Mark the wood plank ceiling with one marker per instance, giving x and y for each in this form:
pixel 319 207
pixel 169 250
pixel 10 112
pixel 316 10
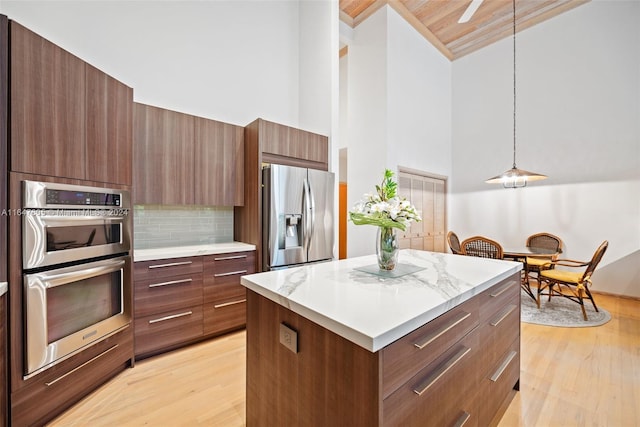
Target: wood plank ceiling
pixel 437 20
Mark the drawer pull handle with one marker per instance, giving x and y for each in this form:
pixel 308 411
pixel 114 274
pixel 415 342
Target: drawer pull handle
pixel 171 264
pixel 463 419
pixel 433 378
pixel 173 316
pixel 429 339
pixel 503 365
pixel 227 304
pixel 231 273
pixel 226 258
pixel 172 282
pixel 80 367
pixel 504 315
pixel 504 289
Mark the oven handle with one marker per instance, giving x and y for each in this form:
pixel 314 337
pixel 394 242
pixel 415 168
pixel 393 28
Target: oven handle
pixel 54 278
pixel 68 220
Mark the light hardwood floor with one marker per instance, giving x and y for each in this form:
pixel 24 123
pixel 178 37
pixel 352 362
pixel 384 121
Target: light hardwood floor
pixel 569 377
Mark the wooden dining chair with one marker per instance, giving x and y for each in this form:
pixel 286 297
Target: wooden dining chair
pixel 573 285
pixel 482 247
pixel 454 243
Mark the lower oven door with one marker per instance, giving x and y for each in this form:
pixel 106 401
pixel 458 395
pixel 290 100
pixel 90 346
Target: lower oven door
pixel 70 308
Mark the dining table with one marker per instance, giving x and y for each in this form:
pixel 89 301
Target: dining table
pixel 517 252
pixel 520 253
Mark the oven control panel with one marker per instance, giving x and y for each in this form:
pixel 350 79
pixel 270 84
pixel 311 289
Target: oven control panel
pixel 65 197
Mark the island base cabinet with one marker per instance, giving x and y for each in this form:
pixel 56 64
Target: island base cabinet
pixel 461 368
pixel 441 394
pixel 329 381
pixel 500 381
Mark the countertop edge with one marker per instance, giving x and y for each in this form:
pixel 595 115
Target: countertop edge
pixel 374 344
pixel 4 286
pixel 189 251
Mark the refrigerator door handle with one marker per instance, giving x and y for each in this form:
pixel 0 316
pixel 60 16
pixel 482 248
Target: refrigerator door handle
pixel 309 215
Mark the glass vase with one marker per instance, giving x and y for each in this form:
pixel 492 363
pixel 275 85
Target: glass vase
pixel 387 248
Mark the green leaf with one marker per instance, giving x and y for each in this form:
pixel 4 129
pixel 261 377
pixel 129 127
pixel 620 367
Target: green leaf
pixel 362 219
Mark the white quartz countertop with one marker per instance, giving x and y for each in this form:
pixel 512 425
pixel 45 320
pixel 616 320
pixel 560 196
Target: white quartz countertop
pixel 3 288
pixel 188 251
pixel 374 311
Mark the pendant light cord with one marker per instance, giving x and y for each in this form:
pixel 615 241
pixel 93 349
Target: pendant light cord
pixel 514 84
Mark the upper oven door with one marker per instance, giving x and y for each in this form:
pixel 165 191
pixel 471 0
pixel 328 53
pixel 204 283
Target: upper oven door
pixel 56 237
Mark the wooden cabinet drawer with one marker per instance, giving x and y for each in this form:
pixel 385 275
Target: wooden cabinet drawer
pixel 225 316
pixel 498 332
pixel 402 359
pixel 499 383
pixel 164 330
pixel 164 268
pixel 442 393
pixel 222 275
pixel 495 298
pixel 222 265
pixel 167 293
pixel 51 392
pixel 218 293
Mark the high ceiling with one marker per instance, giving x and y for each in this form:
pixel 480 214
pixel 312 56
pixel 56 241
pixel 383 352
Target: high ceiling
pixel 437 20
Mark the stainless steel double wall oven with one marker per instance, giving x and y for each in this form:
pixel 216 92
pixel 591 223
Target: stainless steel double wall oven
pixel 76 263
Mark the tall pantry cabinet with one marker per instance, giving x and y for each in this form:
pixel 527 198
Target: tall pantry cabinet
pixel 71 123
pixel 4 71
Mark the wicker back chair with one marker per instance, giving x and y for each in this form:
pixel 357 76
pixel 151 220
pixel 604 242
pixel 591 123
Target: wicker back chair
pixel 454 243
pixel 573 285
pixel 537 263
pixel 545 240
pixel 482 247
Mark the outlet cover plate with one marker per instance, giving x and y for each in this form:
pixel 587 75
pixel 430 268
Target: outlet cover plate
pixel 289 338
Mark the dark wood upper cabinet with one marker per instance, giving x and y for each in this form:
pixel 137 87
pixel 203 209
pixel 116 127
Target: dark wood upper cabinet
pixel 68 119
pixel 47 107
pixel 269 142
pixel 109 128
pixel 219 164
pixel 163 156
pixel 288 145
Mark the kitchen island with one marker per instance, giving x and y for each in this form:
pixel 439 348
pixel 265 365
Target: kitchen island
pixel 334 344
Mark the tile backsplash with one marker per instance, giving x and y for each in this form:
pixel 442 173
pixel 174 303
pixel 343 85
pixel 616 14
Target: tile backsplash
pixel 165 226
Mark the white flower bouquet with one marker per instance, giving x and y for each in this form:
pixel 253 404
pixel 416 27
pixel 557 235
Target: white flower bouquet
pixel 384 208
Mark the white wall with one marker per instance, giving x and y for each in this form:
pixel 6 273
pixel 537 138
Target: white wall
pixel 418 101
pixel 367 123
pixel 578 121
pixel 399 109
pixel 232 61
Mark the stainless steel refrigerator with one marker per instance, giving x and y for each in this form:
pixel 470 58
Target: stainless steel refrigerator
pixel 297 216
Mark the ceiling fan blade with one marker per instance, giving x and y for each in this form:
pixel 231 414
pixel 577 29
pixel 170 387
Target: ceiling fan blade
pixel 473 6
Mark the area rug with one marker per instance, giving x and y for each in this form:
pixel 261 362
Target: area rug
pixel 561 312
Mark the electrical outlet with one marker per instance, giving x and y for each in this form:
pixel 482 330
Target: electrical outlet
pixel 289 338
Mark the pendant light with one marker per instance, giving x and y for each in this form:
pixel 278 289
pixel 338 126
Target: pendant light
pixel 514 177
